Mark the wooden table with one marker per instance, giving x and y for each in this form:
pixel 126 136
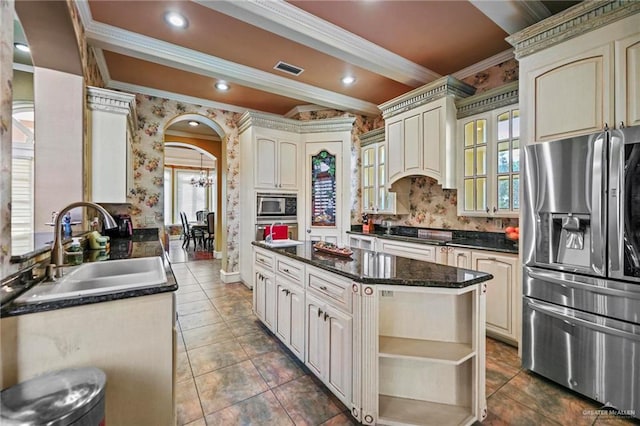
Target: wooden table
pixel 202 226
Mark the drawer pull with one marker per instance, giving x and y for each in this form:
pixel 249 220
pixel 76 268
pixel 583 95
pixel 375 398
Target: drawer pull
pixel 286 270
pixel 319 312
pixel 323 287
pixel 326 315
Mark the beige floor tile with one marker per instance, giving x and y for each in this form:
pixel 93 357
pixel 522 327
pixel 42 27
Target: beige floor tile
pixel 306 402
pixel 193 296
pixel 342 419
pixel 189 288
pixel 199 319
pixel 263 409
pixel 247 325
pixel 183 368
pixel 193 307
pixel 277 368
pixel 227 386
pixel 216 355
pixel 188 407
pixel 206 335
pixel 258 343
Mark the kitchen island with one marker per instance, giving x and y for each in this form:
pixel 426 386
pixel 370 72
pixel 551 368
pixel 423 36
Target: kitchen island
pixel 128 334
pixel 399 341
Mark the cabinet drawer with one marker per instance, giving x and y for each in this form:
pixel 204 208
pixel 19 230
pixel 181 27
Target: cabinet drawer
pixel 330 288
pixel 412 251
pixel 264 259
pixel 292 270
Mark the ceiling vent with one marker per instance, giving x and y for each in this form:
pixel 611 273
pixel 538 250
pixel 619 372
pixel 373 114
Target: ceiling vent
pixel 288 68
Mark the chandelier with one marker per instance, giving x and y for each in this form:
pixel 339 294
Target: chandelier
pixel 204 180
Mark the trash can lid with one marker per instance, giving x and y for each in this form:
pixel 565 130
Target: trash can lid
pixel 53 399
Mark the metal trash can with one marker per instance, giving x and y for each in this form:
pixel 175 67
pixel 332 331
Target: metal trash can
pixel 73 396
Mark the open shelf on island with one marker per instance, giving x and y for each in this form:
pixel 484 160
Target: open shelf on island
pixel 445 352
pixel 404 411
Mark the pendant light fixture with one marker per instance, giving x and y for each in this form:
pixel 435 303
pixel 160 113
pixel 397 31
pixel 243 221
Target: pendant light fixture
pixel 204 180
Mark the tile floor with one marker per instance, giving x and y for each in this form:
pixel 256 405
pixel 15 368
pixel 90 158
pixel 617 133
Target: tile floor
pixel 233 371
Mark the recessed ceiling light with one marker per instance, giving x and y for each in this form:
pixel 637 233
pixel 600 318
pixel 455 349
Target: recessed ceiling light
pixel 176 20
pixel 22 47
pixel 348 80
pixel 223 86
pixel 193 123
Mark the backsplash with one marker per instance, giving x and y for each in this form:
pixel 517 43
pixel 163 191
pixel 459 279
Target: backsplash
pixel 430 206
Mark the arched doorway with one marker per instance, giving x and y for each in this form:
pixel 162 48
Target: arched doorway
pixel 193 145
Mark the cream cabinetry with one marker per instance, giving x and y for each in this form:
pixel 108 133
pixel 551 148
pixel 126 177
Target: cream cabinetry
pixel 111 123
pixel 420 131
pixel 424 252
pixel 423 374
pixel 504 293
pixel 362 242
pixel 290 305
pixel 577 82
pixel 276 161
pixel 489 155
pixel 376 198
pixel 459 257
pixel 264 290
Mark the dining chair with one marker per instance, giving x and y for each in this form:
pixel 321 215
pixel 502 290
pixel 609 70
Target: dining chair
pixel 200 215
pixel 197 234
pixel 211 229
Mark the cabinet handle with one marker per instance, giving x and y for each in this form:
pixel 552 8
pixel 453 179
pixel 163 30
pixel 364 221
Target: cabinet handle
pixel 286 270
pixel 487 209
pixel 326 315
pixel 495 209
pixel 319 312
pixel 287 292
pixel 621 125
pixel 323 287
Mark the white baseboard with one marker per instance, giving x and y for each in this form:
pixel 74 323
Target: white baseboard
pixel 217 255
pixel 229 277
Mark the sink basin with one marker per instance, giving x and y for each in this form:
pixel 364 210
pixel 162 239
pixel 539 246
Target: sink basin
pixel 282 243
pixel 98 278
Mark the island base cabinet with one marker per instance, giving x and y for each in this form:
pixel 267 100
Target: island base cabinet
pixel 430 355
pixel 264 305
pixel 290 317
pixel 329 347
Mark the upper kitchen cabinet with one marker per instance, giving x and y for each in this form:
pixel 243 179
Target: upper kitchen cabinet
pixel 111 123
pixel 276 162
pixel 489 153
pixel 376 198
pixel 420 128
pixel 580 75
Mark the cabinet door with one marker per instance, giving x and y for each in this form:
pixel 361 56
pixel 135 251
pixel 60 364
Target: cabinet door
pixel 505 171
pixel 474 181
pixel 573 96
pixel 412 143
pixel 288 165
pixel 296 299
pixel 265 163
pixel 460 258
pixel 368 161
pixel 270 300
pixel 501 292
pixel 627 76
pixel 339 361
pixel 432 137
pixel 259 299
pixel 315 336
pixel 283 313
pixel 395 142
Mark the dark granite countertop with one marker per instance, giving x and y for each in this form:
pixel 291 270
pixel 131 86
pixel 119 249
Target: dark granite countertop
pixel 493 241
pixel 144 243
pixel 369 267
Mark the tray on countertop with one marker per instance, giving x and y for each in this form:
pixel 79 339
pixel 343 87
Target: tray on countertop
pixel 336 251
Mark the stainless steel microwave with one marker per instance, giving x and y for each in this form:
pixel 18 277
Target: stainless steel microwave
pixel 277 206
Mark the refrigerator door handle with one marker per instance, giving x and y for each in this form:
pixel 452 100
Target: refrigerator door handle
pixel 615 200
pixel 558 313
pixel 598 215
pixel 583 283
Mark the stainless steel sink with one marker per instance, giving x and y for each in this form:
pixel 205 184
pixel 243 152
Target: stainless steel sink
pixel 282 243
pixel 100 278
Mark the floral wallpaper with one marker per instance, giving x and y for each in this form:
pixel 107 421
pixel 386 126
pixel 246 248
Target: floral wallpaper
pixel 90 71
pixel 147 194
pixel 6 98
pixel 493 77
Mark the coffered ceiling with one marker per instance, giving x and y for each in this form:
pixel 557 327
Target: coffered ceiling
pixel 389 47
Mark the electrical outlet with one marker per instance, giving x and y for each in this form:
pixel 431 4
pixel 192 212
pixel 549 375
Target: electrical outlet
pixel 497 223
pixel 149 220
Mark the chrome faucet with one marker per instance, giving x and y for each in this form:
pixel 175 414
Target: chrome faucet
pixel 57 253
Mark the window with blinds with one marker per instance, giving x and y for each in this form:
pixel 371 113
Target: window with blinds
pixel 22 182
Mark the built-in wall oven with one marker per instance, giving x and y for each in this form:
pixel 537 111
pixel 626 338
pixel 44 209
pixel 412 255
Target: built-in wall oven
pixel 581 242
pixel 276 208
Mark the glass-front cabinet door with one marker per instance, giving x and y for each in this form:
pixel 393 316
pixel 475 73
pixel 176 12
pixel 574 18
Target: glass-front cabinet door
pixel 489 161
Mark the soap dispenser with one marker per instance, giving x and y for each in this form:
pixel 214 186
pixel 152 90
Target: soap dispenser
pixel 74 253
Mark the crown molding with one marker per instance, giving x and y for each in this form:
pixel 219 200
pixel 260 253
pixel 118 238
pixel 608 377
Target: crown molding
pixel 276 122
pixel 288 21
pixel 484 64
pixel 304 108
pixel 99 99
pixel 149 91
pixel 579 19
pixel 192 135
pixel 373 136
pixel 149 49
pixel 102 64
pixel 445 86
pixel 487 101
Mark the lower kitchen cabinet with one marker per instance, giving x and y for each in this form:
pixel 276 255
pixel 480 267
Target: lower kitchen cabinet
pixel 290 319
pixel 425 252
pixel 329 346
pixel 362 242
pixel 264 305
pixel 504 293
pixel 458 257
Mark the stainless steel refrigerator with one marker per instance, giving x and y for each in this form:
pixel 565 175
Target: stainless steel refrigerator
pixel 581 240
